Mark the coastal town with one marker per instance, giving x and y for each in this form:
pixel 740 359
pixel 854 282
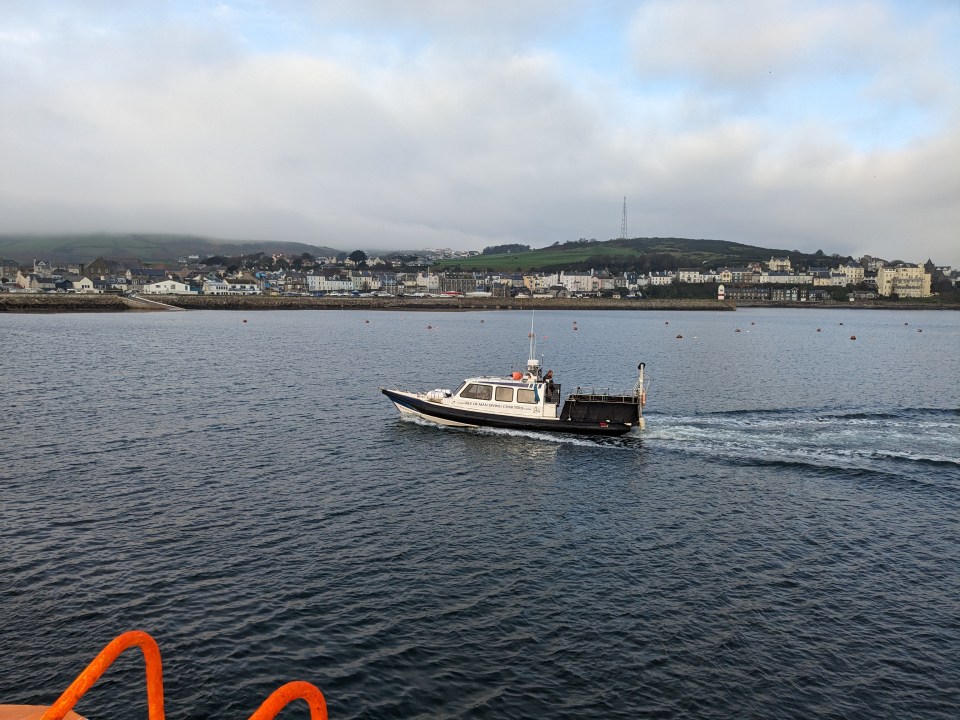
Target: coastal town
pixel 777 281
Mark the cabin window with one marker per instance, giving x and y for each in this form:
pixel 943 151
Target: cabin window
pixel 477 392
pixel 526 396
pixel 504 394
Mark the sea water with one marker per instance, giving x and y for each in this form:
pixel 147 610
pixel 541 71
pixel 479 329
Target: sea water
pixel 782 541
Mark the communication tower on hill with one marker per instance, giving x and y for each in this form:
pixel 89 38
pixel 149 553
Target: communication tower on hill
pixel 623 220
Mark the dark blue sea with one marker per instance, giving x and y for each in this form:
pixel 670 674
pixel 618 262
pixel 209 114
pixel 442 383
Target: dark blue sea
pixel 782 542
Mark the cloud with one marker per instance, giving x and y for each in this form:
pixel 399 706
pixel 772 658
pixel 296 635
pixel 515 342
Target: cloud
pixel 268 121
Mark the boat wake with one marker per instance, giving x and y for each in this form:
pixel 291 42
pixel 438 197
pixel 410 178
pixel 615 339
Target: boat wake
pixel 923 444
pixel 919 444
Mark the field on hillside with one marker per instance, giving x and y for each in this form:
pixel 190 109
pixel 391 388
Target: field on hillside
pixel 642 254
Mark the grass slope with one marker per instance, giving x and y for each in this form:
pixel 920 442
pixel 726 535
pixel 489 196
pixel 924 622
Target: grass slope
pixel 641 254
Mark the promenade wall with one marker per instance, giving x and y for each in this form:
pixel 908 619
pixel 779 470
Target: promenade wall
pixel 29 302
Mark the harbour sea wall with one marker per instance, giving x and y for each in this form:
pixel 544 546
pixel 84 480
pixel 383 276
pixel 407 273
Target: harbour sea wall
pixel 47 303
pixel 24 302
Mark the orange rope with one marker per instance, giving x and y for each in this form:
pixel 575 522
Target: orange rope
pixel 86 679
pixel 271 707
pixel 283 696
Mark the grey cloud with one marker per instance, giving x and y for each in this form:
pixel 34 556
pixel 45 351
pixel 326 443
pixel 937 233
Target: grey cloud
pixel 190 132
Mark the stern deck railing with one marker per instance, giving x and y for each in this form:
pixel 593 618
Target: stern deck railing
pixel 269 709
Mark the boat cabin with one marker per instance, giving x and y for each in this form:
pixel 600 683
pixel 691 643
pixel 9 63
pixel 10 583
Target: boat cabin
pixel 508 396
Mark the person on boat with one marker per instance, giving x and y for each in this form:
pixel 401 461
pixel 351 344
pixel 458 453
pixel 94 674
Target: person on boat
pixel 549 377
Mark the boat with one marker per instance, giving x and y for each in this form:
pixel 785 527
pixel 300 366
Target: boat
pixel 529 400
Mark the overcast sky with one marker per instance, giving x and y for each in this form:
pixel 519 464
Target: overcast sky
pixel 379 124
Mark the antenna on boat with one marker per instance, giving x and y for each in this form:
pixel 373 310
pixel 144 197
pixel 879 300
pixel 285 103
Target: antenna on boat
pixel 533 338
pixel 533 365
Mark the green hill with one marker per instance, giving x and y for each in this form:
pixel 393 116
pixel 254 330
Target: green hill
pixel 636 254
pixel 150 248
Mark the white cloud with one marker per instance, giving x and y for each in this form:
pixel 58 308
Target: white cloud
pixel 175 122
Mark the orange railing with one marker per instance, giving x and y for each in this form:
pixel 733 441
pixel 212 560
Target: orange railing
pixel 271 707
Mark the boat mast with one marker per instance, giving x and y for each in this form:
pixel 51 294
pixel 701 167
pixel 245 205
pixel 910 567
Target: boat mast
pixel 533 340
pixel 533 365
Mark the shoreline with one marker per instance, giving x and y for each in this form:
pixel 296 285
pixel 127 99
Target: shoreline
pixel 28 303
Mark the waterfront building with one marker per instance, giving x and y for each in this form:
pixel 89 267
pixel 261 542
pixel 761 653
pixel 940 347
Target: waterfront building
pixel 690 275
pixel 740 275
pixel 82 284
pixel 540 283
pixel 168 287
pixel 853 273
pixel 320 282
pixel 662 278
pixel 38 283
pixel 574 282
pixel 903 281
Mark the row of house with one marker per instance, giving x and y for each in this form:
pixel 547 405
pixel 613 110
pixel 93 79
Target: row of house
pixel 903 280
pixel 102 276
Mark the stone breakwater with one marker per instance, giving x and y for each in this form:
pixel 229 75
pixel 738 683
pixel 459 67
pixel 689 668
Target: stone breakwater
pixel 25 302
pixel 260 302
pixel 39 303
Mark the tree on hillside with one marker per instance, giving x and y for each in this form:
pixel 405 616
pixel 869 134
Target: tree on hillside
pixel 358 256
pixel 502 249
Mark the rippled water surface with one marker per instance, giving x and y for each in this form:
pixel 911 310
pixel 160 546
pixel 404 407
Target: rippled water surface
pixel 782 541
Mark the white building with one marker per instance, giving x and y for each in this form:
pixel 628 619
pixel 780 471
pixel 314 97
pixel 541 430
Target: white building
pixel 852 272
pixel 903 281
pixel 579 282
pixel 83 285
pixel 328 283
pixel 661 278
pixel 168 287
